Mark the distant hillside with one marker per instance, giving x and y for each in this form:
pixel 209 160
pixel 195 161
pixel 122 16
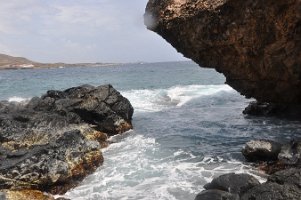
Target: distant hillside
pixel 11 62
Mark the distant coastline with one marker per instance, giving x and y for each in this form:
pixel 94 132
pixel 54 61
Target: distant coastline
pixel 10 62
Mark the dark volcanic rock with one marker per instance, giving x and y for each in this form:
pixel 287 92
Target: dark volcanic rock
pixel 283 185
pixel 216 195
pixel 53 142
pixel 261 150
pixel 273 191
pixel 255 44
pixel 288 176
pixel 262 109
pixel 233 183
pixel 271 109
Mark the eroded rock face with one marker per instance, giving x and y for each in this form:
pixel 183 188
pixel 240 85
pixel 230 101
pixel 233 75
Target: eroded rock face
pixel 255 44
pixel 53 142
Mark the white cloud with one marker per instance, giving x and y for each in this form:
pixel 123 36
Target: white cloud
pixel 80 31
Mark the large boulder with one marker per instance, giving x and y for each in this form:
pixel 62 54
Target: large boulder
pixel 233 183
pixel 261 150
pixel 283 185
pixel 255 44
pixel 52 142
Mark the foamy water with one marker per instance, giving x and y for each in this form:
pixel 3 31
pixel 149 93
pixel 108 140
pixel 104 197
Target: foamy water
pixel 147 171
pixel 17 99
pixel 158 99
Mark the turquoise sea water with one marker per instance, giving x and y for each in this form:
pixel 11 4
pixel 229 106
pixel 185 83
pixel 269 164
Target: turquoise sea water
pixel 188 127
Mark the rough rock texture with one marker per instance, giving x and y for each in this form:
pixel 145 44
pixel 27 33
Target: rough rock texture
pixel 255 44
pixel 216 195
pixel 273 191
pixel 283 185
pixel 289 176
pixel 261 150
pixel 25 195
pixel 53 142
pixel 233 183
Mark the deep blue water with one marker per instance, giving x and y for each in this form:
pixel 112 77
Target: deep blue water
pixel 188 127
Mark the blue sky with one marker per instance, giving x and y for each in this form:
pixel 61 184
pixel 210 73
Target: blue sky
pixel 80 31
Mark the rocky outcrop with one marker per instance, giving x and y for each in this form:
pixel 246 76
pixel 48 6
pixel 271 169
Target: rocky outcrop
pixel 233 183
pixel 261 150
pixel 255 44
pixel 284 185
pixel 276 156
pixel 52 142
pixel 282 162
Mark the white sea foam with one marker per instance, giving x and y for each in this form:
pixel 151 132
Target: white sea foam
pixel 137 167
pixel 17 99
pixel 158 99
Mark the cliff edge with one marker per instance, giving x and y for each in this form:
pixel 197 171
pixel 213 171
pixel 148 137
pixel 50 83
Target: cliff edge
pixel 255 44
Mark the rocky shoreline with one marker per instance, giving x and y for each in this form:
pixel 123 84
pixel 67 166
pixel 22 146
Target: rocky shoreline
pixel 52 142
pixel 281 161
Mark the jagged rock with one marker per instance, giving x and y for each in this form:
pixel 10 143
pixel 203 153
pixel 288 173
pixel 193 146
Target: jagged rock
pixel 290 154
pixel 216 195
pixel 233 183
pixel 255 44
pixel 261 150
pixel 53 142
pixel 273 191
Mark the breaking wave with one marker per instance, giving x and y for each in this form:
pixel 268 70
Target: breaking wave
pixel 158 99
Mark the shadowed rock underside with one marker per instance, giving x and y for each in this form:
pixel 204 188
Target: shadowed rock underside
pixel 255 44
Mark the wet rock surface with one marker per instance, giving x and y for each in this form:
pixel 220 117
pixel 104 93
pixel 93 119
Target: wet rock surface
pixel 51 143
pixel 255 44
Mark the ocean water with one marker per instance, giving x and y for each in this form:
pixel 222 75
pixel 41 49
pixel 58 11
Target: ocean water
pixel 188 128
